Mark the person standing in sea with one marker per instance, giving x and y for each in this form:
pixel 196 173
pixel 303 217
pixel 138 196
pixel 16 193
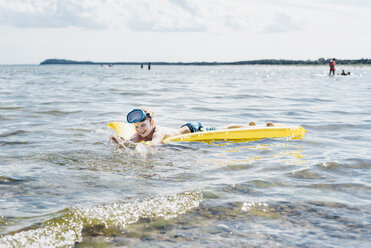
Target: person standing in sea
pixel 332 67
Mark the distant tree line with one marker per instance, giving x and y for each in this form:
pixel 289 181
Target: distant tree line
pixel 320 61
pixel 65 62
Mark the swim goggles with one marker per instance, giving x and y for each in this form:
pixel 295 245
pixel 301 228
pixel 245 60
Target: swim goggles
pixel 137 115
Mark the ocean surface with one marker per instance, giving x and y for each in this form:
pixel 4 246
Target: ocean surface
pixel 64 184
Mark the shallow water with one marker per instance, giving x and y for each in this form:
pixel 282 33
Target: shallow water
pixel 62 183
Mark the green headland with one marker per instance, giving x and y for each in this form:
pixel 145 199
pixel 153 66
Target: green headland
pixel 320 61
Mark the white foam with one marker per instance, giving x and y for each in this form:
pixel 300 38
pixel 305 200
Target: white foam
pixel 65 231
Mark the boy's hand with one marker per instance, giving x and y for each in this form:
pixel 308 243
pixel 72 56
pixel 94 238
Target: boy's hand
pixel 121 141
pixel 114 138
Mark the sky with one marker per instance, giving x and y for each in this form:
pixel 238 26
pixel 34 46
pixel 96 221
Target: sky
pixel 183 30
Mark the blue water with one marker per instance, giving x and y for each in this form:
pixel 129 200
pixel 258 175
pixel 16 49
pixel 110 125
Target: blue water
pixel 63 184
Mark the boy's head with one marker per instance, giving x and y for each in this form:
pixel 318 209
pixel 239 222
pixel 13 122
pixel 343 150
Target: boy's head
pixel 142 118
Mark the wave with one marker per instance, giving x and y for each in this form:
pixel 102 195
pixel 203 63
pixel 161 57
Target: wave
pixel 66 230
pixel 351 163
pixel 5 143
pixel 330 127
pixel 58 112
pixel 12 133
pixel 11 108
pixel 9 180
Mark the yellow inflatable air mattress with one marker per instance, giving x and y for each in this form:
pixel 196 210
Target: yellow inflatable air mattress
pixel 126 130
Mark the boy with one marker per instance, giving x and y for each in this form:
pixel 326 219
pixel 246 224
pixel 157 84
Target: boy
pixel 147 130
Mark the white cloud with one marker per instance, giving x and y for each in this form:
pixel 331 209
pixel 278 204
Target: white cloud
pixel 282 22
pixel 188 5
pixel 48 14
pixel 163 17
pixel 141 15
pixel 138 15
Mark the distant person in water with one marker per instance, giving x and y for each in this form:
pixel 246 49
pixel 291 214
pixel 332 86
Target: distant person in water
pixel 147 130
pixel 141 66
pixel 343 73
pixel 332 67
pixel 149 66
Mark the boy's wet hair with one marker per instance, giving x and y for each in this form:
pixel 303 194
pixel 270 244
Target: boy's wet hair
pixel 148 112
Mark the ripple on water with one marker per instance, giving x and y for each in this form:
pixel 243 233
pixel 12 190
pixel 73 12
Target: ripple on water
pixel 14 133
pixel 9 180
pixel 11 108
pixel 241 223
pixel 12 143
pixel 57 112
pixel 331 127
pixel 69 226
pixel 346 168
pixel 305 174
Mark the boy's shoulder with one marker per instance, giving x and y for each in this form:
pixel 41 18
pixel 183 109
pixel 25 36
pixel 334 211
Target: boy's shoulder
pixel 160 129
pixel 165 131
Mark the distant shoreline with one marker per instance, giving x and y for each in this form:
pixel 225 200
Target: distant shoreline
pixel 320 61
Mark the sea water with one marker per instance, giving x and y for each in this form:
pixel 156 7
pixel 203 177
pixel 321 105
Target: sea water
pixel 64 184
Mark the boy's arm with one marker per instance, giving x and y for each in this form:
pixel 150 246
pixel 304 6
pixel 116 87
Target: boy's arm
pixel 117 139
pixel 157 138
pixel 121 141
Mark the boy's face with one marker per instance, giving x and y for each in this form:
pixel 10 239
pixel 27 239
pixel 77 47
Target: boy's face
pixel 144 128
